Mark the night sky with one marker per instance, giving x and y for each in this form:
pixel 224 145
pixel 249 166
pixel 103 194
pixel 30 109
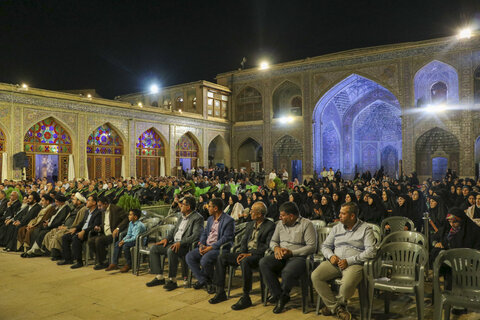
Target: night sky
pixel 119 47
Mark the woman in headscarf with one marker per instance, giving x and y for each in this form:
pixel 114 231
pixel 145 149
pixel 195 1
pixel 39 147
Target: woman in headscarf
pixel 474 211
pixel 373 210
pixel 245 216
pixel 202 207
pixel 470 201
pixel 419 207
pixel 234 208
pixel 242 198
pixel 317 213
pixel 337 201
pixel 295 197
pixel 388 198
pixel 438 216
pixel 327 208
pixel 404 207
pixel 350 197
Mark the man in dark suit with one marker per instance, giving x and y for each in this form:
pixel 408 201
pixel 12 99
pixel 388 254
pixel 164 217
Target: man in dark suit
pixel 114 220
pixel 13 205
pixel 176 244
pixel 56 220
pixel 3 203
pixel 22 219
pixel 220 230
pixel 72 241
pixel 254 243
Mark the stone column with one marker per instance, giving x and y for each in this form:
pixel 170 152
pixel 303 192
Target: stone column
pixel 467 142
pixel 307 112
pixel 267 126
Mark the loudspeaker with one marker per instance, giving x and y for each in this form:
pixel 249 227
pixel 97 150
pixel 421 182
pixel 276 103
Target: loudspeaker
pixel 20 160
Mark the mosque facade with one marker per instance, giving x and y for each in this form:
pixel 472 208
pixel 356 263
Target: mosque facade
pixel 404 107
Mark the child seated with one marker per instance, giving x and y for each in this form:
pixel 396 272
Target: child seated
pixel 135 228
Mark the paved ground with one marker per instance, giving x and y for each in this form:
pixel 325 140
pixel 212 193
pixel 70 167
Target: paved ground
pixel 39 289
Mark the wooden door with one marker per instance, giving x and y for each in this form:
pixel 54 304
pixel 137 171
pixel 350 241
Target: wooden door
pixel 101 167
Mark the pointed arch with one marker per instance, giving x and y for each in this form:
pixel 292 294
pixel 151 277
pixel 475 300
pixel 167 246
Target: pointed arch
pixel 151 148
pixel 250 153
pixel 187 151
pixel 288 155
pixel 435 72
pixel 249 105
pixel 47 144
pixel 436 143
pixel 339 111
pixel 218 151
pixel 105 148
pixel 287 100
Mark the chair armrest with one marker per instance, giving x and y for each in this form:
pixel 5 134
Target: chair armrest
pixel 235 248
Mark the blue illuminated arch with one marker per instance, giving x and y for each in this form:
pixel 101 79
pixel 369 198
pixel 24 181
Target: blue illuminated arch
pixel 353 124
pixel 431 74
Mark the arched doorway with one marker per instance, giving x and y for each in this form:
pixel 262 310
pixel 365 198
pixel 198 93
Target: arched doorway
pixel 218 152
pixel 287 154
pixel 48 146
pixel 250 155
pixel 477 157
pixel 150 154
pixel 435 150
pixel 354 123
pixel 104 153
pixel 436 83
pixel 287 100
pixel 187 152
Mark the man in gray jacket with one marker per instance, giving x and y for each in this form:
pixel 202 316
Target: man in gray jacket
pixel 176 244
pixel 346 248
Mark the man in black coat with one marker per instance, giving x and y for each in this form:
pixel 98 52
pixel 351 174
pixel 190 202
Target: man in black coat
pixel 72 241
pixel 253 245
pixel 20 220
pixel 12 207
pixel 57 219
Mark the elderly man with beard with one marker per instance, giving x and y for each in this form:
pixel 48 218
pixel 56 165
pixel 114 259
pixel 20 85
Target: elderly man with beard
pixel 25 233
pixel 53 239
pixel 57 219
pixel 346 248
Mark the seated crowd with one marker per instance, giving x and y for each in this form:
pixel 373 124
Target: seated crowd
pixel 63 219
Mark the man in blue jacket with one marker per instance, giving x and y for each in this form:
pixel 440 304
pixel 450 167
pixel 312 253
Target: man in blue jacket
pixel 220 230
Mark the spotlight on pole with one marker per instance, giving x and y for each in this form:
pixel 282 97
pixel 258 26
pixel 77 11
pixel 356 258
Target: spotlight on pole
pixel 465 33
pixel 154 88
pixel 264 65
